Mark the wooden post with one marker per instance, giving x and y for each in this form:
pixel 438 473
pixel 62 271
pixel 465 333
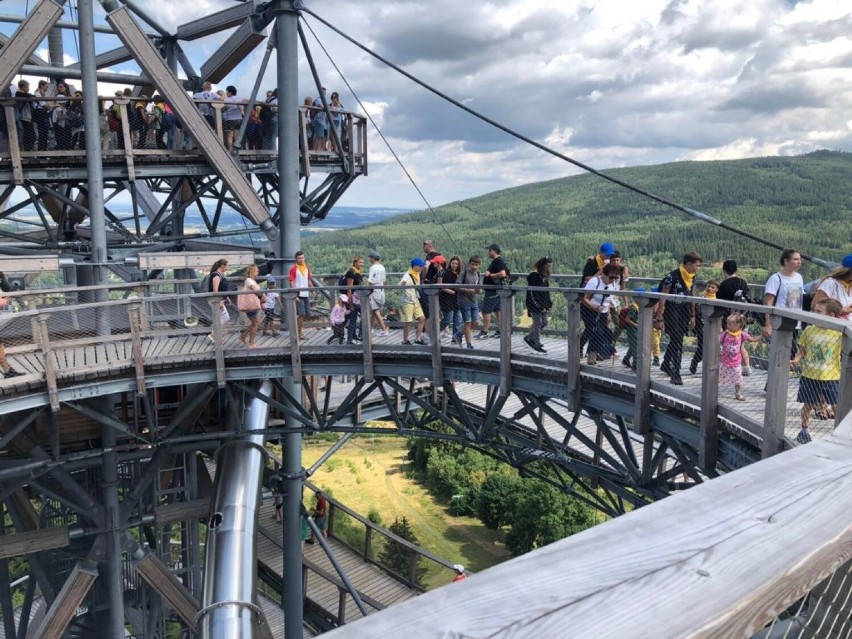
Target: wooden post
pixel 289 300
pixel 135 312
pixel 341 605
pixel 709 419
pixel 14 144
pixel 218 338
pixel 40 334
pixel 435 345
pixel 507 299
pixel 575 322
pixel 124 105
pixel 62 610
pixel 778 369
pixel 368 543
pixel 157 575
pixel 844 399
pixel 642 394
pixel 367 336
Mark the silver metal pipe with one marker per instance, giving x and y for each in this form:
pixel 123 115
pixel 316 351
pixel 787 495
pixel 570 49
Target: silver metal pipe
pixel 230 568
pixel 55 50
pixel 62 24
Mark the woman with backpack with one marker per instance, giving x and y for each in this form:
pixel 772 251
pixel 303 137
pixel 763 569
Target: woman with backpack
pixel 594 311
pixel 251 304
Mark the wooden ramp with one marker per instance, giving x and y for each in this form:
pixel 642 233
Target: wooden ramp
pixel 377 588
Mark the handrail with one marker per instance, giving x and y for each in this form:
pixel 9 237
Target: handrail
pixel 761 539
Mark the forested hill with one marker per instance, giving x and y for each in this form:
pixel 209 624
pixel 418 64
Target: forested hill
pixel 804 202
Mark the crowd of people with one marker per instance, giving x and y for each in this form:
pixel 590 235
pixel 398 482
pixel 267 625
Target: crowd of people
pixel 51 118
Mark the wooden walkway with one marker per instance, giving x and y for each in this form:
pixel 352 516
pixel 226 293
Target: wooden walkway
pixel 191 352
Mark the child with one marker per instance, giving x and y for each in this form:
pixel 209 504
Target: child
pixel 628 320
pixel 337 317
pixel 732 353
pixel 819 352
pixel 269 308
pixel 710 293
pixel 411 310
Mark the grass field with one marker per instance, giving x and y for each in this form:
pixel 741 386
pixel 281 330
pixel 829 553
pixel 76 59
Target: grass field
pixel 370 473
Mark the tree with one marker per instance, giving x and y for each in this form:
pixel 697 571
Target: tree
pixel 399 559
pixel 543 514
pixel 496 499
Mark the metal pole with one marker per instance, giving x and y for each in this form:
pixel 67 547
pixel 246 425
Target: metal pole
pixel 94 165
pixel 286 30
pixel 113 572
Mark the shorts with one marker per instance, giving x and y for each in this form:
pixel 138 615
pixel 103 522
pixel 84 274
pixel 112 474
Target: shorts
pixel 303 306
pixel 321 522
pixel 269 312
pixel 377 300
pixel 230 125
pixel 490 304
pixel 813 391
pixel 251 314
pixel 469 312
pixel 411 312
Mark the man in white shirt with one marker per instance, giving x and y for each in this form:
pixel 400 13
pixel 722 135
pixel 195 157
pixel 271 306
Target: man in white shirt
pixel 377 278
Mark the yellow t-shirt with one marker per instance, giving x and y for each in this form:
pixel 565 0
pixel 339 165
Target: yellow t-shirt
pixel 822 353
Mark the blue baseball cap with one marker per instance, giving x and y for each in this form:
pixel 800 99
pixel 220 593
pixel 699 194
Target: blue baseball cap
pixel 847 261
pixel 417 262
pixel 607 249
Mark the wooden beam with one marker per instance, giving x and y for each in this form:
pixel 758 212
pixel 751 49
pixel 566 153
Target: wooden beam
pixel 507 297
pixel 26 543
pixel 26 38
pixel 42 340
pixel 193 259
pixel 778 369
pixel 642 397
pixel 181 511
pixel 29 264
pixel 157 575
pixel 64 607
pixel 708 428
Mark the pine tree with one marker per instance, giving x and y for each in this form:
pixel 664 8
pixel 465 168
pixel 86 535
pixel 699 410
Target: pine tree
pixel 399 559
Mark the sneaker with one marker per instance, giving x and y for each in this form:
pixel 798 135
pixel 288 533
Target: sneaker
pixel 384 333
pixel 676 380
pixel 693 369
pixel 352 342
pixel 626 362
pixel 12 373
pixel 421 341
pixel 309 541
pixel 539 348
pixel 804 437
pixel 496 335
pixel 470 346
pixel 406 343
pixel 656 361
pixel 481 335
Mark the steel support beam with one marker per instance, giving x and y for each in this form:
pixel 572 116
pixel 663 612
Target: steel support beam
pixel 193 122
pixel 233 51
pixel 26 38
pixel 215 22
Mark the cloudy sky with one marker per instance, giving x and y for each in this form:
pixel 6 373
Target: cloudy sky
pixel 608 82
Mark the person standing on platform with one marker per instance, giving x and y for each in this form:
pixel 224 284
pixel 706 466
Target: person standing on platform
pixel 595 263
pixel 820 354
pixel 218 283
pixel 301 278
pixel 594 311
pixel 677 318
pixel 468 307
pixel 411 311
pixel 377 278
pixel 837 285
pixel 204 99
pixel 320 517
pixel 353 278
pixel 785 289
pixel 495 275
pixel 269 306
pixel 538 303
pixel 460 574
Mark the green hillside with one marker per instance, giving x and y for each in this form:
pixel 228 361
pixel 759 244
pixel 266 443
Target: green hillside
pixel 804 202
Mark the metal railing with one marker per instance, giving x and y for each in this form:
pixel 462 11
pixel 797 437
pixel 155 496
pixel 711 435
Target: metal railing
pixel 68 334
pixel 131 131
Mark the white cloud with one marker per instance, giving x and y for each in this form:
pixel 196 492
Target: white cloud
pixel 610 82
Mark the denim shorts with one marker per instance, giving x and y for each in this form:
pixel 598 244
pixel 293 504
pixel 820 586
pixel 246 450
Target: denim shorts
pixel 811 391
pixel 469 312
